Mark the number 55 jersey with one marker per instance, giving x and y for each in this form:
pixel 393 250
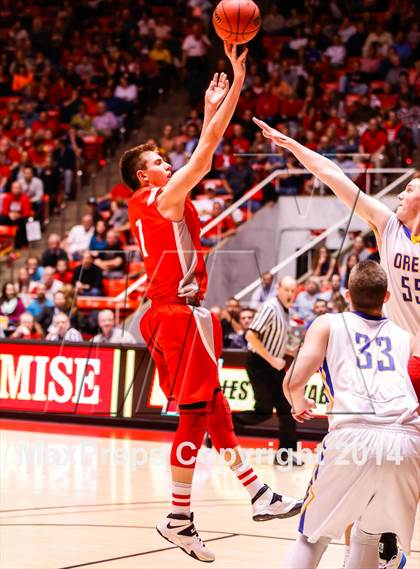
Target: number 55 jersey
pixel 400 258
pixel 365 373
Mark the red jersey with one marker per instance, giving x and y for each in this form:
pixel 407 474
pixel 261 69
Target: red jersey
pixel 171 250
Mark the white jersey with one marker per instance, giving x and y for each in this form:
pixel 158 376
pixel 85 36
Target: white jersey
pixel 365 373
pixel 400 258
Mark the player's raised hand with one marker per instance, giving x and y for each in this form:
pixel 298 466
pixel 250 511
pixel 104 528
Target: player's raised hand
pixel 238 62
pixel 275 135
pixel 217 90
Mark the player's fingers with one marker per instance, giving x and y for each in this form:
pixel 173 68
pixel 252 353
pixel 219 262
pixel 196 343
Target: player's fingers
pixel 260 123
pixel 215 78
pixel 228 49
pixel 243 55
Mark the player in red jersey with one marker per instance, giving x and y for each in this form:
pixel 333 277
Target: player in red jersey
pixel 184 338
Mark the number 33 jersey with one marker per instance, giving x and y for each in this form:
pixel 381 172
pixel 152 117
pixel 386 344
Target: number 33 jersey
pixel 400 258
pixel 365 372
pixel 171 250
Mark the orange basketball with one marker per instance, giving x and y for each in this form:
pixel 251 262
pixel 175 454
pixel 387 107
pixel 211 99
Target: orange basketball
pixel 236 21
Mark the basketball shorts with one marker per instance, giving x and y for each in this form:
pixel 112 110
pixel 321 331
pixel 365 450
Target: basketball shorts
pixel 366 474
pixel 185 343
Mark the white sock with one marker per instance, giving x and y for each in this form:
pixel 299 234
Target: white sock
pixel 346 555
pixel 181 498
pixel 246 475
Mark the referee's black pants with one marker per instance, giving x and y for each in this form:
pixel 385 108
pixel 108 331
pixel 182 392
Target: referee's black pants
pixel 267 383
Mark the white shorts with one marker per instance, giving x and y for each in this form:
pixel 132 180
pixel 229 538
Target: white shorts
pixel 358 478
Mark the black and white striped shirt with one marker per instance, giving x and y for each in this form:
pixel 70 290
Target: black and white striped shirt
pixel 271 321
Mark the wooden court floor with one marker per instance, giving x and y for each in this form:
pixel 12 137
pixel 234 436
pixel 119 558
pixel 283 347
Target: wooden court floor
pixel 83 497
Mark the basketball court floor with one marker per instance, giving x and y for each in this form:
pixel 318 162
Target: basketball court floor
pixel 77 496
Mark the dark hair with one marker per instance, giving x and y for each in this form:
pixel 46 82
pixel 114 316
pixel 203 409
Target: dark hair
pixel 368 285
pixel 3 297
pixel 133 160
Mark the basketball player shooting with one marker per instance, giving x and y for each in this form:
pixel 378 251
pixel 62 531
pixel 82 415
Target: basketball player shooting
pixel 398 238
pixel 185 339
pixel 369 472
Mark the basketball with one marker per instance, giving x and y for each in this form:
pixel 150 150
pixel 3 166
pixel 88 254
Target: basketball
pixel 237 21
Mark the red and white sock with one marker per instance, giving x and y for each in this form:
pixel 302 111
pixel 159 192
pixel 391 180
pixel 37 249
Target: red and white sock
pixel 181 498
pixel 246 475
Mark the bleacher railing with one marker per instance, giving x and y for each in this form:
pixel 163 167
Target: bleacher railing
pixel 407 173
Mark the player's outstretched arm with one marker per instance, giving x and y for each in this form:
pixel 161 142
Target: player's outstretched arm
pixel 371 210
pixel 308 361
pixel 171 201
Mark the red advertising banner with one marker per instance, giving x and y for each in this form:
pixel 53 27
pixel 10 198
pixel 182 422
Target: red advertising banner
pixel 58 379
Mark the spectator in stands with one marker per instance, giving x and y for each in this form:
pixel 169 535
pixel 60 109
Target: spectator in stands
pixel 61 330
pixel 105 123
pixel 194 60
pixel 238 178
pixel 82 122
pixel 303 306
pixel 52 285
pixel 53 252
pixel 22 285
pixel 66 157
pixel 10 304
pixel 222 230
pixel 16 211
pixel 358 248
pixel 50 178
pixel 204 204
pixel 87 277
pixel 373 143
pixel 111 259
pixel 98 241
pixel 34 268
pixel 45 317
pixel 109 332
pixel 40 301
pixel 62 272
pixel 178 156
pixel 225 159
pixel 335 287
pixel 27 329
pixel 324 265
pixel 265 291
pixel 238 341
pixel 119 217
pixel 320 307
pixel 230 320
pixel 33 187
pixel 351 260
pixel 336 52
pixel 337 304
pixel 273 21
pixel 79 238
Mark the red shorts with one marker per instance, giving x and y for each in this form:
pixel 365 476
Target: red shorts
pixel 414 373
pixel 185 343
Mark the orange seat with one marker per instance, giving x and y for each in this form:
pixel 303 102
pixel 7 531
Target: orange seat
pixel 102 302
pixel 112 287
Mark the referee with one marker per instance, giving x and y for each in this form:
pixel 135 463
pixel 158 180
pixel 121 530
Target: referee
pixel 265 363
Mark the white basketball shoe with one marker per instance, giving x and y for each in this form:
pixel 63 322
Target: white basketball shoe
pixel 267 505
pixel 180 530
pixel 397 562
